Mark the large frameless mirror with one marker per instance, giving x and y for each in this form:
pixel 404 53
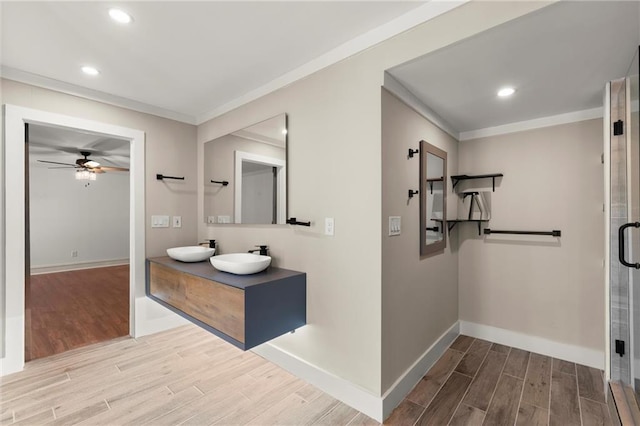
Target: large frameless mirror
pixel 245 175
pixel 433 199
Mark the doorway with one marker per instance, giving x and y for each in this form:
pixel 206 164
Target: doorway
pixel 13 251
pixel 77 239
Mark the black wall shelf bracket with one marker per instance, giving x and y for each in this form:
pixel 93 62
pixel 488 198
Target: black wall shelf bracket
pixel 412 193
pixel 221 182
pixel 294 221
pixel 160 176
pixel 554 233
pixel 458 178
pixel 433 228
pixel 430 182
pixel 452 223
pixel 412 152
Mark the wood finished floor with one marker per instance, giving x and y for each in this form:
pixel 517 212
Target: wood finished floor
pixel 77 308
pixel 481 383
pixel 184 376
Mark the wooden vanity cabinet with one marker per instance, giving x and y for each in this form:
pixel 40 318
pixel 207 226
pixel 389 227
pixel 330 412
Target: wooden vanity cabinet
pixel 245 310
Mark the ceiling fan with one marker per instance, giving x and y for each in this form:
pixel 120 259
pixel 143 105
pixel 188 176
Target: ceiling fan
pixel 86 164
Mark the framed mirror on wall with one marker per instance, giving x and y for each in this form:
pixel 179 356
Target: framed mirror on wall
pixel 245 175
pixel 433 199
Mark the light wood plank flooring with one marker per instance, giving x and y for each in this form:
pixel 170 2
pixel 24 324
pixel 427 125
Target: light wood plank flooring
pixel 482 383
pixel 182 376
pixel 76 308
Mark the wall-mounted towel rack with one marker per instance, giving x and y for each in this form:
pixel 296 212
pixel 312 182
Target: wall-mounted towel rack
pixel 554 233
pixel 430 182
pixel 221 182
pixel 451 223
pixel 160 176
pixel 294 221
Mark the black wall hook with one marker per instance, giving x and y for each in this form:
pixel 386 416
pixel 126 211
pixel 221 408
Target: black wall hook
pixel 160 176
pixel 221 182
pixel 412 193
pixel 412 152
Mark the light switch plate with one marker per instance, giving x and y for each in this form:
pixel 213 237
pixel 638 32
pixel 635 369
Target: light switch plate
pixel 395 225
pixel 211 219
pixel 177 221
pixel 158 221
pixel 328 226
pixel 224 219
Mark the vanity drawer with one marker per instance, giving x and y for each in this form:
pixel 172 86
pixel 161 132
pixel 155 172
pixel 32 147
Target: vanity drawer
pixel 217 305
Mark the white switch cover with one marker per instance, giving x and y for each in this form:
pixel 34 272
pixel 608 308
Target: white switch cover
pixel 177 221
pixel 328 226
pixel 159 221
pixel 211 219
pixel 224 219
pixel 395 225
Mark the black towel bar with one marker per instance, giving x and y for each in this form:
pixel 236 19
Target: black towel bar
pixel 554 233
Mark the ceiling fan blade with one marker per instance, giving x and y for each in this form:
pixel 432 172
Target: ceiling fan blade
pixel 113 169
pixel 55 162
pixel 62 167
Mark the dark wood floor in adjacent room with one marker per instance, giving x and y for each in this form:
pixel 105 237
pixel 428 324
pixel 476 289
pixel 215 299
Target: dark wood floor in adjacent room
pixel 77 308
pixel 482 383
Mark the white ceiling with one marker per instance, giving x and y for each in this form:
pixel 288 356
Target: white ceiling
pixel 184 60
pixel 558 58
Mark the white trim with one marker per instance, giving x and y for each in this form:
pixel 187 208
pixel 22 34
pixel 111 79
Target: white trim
pixel 378 408
pixel 352 395
pixel 399 25
pixel 406 96
pixel 14 224
pixel 520 126
pixel 241 156
pixel 401 388
pixel 64 267
pixel 578 354
pixel 91 94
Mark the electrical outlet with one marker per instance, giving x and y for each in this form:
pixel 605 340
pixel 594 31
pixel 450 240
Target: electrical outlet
pixel 74 253
pixel 177 221
pixel 328 226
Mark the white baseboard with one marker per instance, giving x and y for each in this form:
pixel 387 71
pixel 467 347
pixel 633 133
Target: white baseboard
pixel 378 408
pixel 13 361
pixel 401 388
pixel 50 269
pixel 339 388
pixel 578 354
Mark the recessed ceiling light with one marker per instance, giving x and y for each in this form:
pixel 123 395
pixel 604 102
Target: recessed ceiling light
pixel 90 70
pixel 506 91
pixel 120 16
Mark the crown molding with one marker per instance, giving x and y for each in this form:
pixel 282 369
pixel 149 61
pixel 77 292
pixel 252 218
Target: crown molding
pixel 91 94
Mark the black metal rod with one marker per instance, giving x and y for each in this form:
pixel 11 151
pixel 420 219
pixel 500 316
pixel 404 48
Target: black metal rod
pixel 221 182
pixel 161 177
pixel 433 228
pixel 294 221
pixel 622 244
pixel 554 233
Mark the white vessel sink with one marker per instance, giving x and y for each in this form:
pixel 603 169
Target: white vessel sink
pixel 241 263
pixel 191 253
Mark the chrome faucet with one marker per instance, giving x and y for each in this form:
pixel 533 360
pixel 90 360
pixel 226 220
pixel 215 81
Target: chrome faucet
pixel 262 250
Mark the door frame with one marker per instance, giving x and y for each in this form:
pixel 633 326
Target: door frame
pixel 12 216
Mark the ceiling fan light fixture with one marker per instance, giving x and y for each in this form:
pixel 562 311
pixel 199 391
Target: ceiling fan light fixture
pixel 91 164
pixel 505 92
pixel 85 175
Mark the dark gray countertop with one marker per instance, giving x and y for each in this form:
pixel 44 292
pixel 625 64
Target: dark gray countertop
pixel 207 271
